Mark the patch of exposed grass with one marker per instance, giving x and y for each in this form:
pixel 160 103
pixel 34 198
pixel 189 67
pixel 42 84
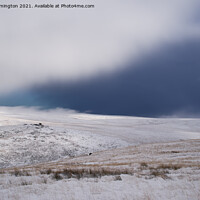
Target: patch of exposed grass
pixel 18 172
pixel 47 171
pixel 169 166
pixel 57 176
pixel 25 183
pixel 175 151
pixel 79 173
pixel 143 165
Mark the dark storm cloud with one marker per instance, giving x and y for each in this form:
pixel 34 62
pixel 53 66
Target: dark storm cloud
pixel 165 83
pixel 38 45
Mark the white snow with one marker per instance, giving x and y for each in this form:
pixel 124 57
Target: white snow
pixel 130 187
pixel 31 143
pixel 156 158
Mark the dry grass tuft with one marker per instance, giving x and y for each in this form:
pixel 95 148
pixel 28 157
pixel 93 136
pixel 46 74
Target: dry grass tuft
pixel 79 173
pixel 159 173
pixel 143 165
pixel 24 183
pixel 18 172
pixel 57 176
pixel 169 166
pixel 118 178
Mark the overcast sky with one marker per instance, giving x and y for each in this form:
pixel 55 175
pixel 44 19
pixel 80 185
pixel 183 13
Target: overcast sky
pixel 43 49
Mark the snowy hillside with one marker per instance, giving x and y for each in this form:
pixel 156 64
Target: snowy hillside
pixel 60 154
pixel 36 143
pixel 134 130
pixel 158 171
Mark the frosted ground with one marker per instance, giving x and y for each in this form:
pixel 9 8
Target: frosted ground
pixel 132 158
pixel 34 143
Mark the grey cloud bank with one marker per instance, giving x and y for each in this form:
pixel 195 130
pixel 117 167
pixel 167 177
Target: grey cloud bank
pixel 166 83
pixel 38 46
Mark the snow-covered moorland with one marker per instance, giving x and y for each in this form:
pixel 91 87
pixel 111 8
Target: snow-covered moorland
pixel 46 155
pixel 36 143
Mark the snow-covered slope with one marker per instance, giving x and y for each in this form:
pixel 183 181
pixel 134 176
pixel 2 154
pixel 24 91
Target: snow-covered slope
pixel 66 134
pixel 45 155
pixel 35 143
pixel 151 171
pixel 134 130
